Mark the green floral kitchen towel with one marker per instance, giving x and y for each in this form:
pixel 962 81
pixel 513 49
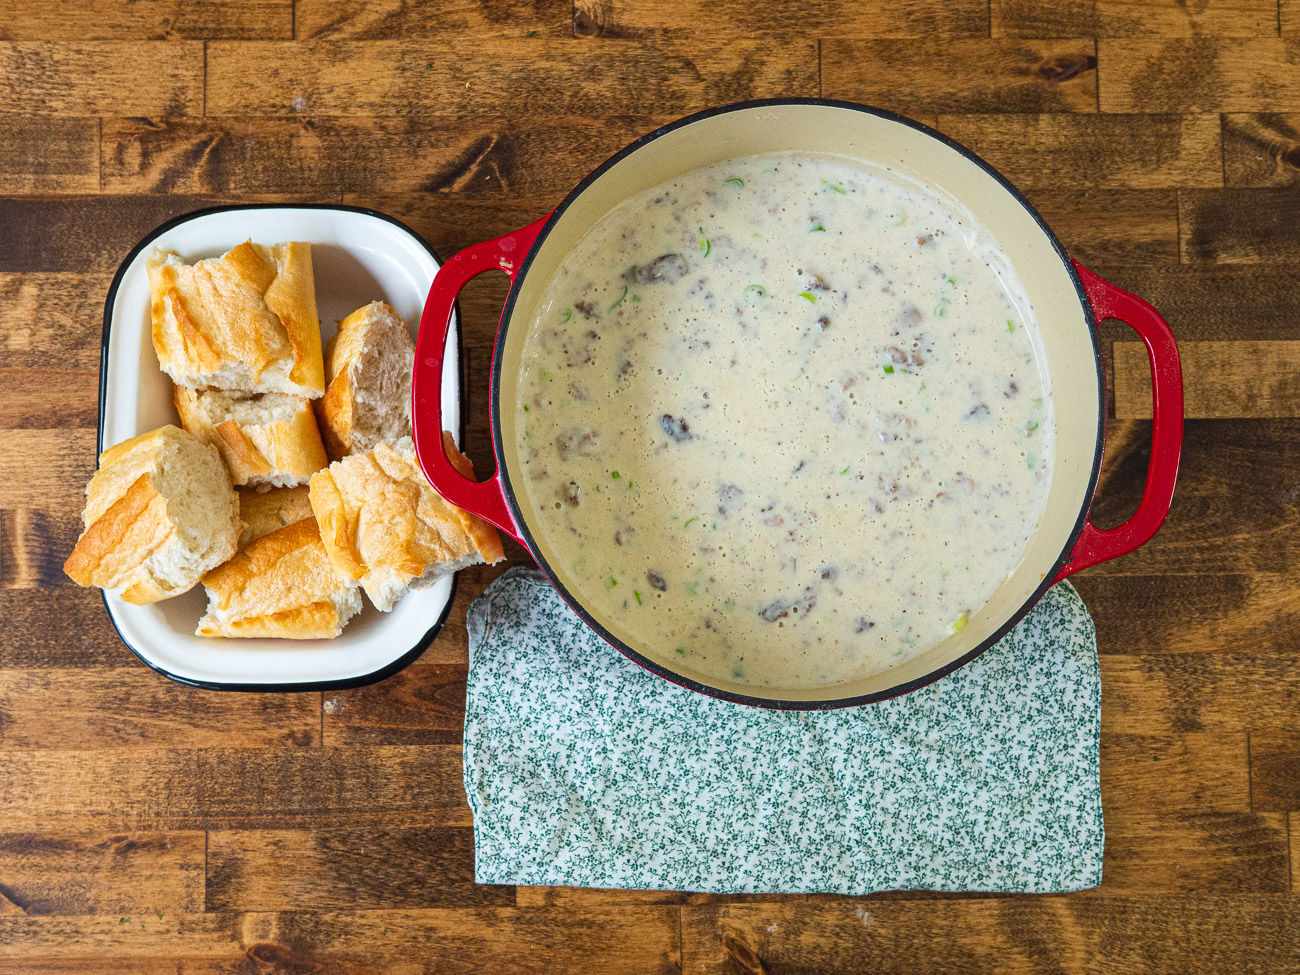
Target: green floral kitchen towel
pixel 584 770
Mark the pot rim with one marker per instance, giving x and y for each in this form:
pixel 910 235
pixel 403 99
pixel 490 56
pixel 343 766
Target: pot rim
pixel 526 533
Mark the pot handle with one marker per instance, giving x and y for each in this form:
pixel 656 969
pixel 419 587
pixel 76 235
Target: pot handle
pixel 1095 544
pixel 484 498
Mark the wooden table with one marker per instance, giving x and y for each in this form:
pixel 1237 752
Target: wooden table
pixel 147 827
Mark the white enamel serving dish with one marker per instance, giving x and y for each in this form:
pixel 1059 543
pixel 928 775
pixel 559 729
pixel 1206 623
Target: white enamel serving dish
pixel 358 256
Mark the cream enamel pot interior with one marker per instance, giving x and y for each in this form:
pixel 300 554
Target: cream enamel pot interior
pixel 1067 298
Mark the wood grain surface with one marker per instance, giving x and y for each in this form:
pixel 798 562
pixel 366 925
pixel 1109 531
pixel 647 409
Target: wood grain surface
pixel 147 827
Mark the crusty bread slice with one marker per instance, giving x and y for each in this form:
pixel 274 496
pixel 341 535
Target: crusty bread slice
pixel 246 320
pixel 383 524
pixel 269 440
pixel 159 513
pixel 368 368
pixel 262 512
pixel 281 585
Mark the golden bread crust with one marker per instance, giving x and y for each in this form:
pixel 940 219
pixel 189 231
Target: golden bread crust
pixel 292 297
pixel 380 518
pixel 133 541
pixel 257 452
pixel 262 512
pixel 252 308
pixel 242 458
pixel 119 540
pixel 280 585
pixel 336 523
pixel 314 621
pixel 334 410
pixel 337 409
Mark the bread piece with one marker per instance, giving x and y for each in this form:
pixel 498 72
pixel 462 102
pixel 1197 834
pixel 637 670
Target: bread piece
pixel 246 320
pixel 282 585
pixel 368 368
pixel 270 439
pixel 262 512
pixel 383 524
pixel 159 513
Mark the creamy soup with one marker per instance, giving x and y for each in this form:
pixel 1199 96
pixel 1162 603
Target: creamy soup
pixel 784 419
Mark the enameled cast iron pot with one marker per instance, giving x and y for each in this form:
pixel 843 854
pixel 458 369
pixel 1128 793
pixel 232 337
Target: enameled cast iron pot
pixel 1069 301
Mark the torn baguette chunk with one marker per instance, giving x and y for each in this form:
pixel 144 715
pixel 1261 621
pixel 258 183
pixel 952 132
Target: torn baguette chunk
pixel 269 440
pixel 246 320
pixel 368 368
pixel 160 512
pixel 262 512
pixel 384 525
pixel 281 585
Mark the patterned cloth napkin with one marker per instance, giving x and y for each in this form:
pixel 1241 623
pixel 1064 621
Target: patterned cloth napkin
pixel 584 770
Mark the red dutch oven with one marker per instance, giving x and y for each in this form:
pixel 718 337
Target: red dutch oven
pixel 1068 299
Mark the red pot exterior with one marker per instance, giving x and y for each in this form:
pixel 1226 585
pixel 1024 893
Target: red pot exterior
pixel 493 499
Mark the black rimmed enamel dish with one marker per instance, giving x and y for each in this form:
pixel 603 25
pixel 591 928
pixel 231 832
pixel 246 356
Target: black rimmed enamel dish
pixel 358 256
pixel 1068 301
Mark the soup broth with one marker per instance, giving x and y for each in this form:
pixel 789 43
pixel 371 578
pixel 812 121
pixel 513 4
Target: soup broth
pixel 784 419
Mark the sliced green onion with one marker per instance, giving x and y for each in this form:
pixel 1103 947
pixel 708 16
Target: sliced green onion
pixel 889 370
pixel 832 187
pixel 902 218
pixel 688 522
pixel 638 597
pixel 525 407
pixel 615 475
pixel 1029 429
pixel 941 309
pixel 734 181
pixel 758 289
pixel 620 299
pixel 611 582
pixel 568 314
pixel 1031 461
pixel 682 651
pixel 809 296
pixel 817 228
pixel 705 246
pixel 845 471
pixel 1011 326
pixel 960 622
